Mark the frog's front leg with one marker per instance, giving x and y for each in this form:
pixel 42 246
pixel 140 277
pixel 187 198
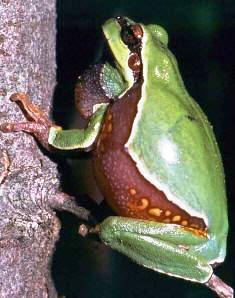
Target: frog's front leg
pixel 166 248
pixel 51 135
pixel 38 124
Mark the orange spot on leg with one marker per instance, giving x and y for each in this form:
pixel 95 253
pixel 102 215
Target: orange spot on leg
pixel 194 226
pixel 144 204
pixel 184 222
pixel 109 116
pixel 167 212
pixel 176 218
pixel 132 191
pixel 155 211
pixel 110 127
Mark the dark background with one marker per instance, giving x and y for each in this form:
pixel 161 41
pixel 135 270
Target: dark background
pixel 202 37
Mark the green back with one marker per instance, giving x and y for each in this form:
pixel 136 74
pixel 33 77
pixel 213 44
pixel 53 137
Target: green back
pixel 174 144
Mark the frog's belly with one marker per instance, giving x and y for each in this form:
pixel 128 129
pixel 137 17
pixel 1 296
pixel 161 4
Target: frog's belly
pixel 124 188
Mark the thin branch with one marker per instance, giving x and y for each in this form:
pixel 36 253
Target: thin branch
pixel 63 202
pixel 218 286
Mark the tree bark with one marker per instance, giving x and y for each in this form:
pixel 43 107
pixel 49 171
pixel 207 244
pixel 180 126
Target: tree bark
pixel 28 225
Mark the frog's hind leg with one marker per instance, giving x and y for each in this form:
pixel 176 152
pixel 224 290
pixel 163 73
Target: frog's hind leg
pixel 166 248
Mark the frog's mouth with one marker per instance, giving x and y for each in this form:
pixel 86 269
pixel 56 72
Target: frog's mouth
pixel 124 39
pixel 132 34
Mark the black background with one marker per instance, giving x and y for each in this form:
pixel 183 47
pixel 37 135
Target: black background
pixel 201 35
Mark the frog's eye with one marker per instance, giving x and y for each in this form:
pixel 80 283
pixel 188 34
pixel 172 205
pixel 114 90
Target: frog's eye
pixel 131 34
pixel 127 37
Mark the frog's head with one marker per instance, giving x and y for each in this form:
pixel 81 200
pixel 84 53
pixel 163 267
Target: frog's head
pixel 139 49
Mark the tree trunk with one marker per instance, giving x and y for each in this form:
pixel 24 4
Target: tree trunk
pixel 28 226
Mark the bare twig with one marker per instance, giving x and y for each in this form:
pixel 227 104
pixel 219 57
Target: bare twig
pixel 63 202
pixel 218 286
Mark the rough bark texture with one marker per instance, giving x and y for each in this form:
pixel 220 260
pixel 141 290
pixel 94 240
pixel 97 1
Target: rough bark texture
pixel 28 226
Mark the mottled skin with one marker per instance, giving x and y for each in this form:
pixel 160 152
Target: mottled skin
pixel 88 91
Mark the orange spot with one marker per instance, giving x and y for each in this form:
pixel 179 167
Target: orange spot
pixel 132 191
pixel 202 233
pixel 184 222
pixel 144 204
pixel 167 212
pixel 136 206
pixel 167 220
pixel 176 218
pixel 110 127
pixel 155 211
pixel 109 116
pixel 194 226
pixel 197 232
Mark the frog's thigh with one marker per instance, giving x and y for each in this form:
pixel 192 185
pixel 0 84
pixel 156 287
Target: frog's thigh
pixel 161 247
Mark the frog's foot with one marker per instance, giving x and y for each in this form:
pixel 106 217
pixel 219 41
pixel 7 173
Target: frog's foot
pixel 84 230
pixel 38 125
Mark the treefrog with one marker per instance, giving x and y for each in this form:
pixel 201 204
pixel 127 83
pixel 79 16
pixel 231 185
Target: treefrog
pixel 155 156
